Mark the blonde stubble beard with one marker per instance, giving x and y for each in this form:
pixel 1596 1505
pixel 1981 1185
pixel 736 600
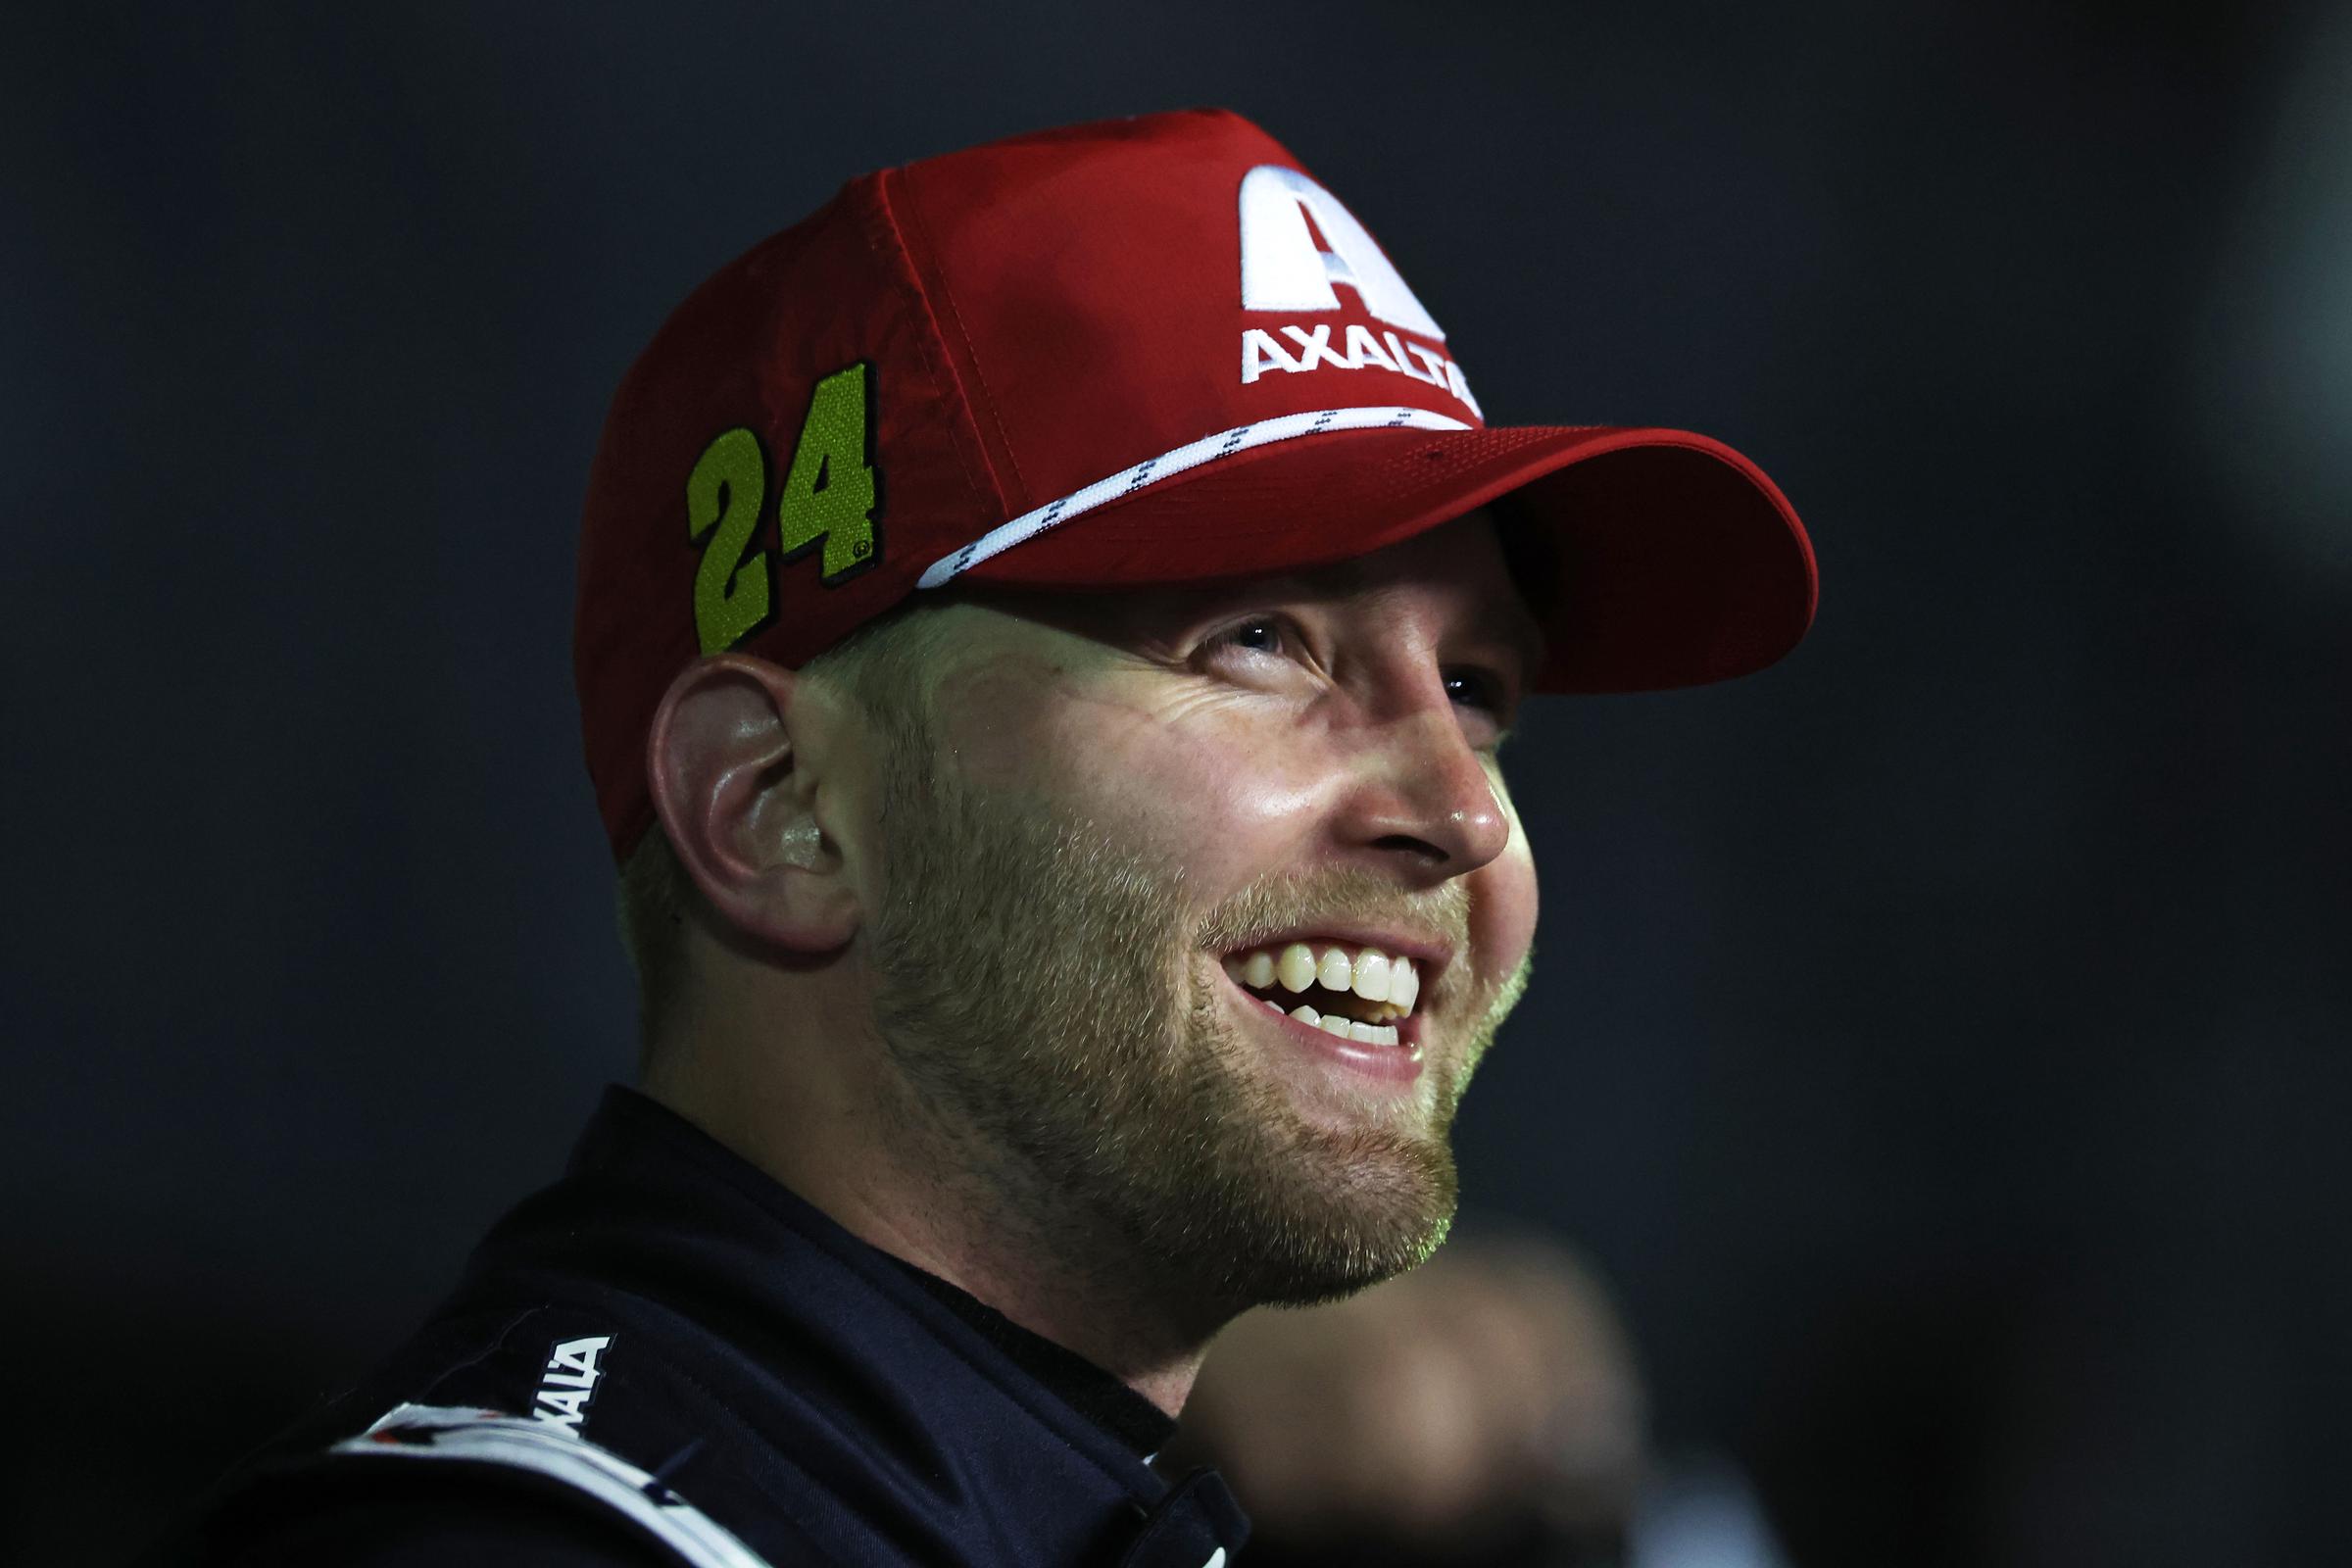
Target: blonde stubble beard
pixel 1068 1076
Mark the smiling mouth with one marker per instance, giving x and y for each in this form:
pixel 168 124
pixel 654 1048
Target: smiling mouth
pixel 1330 987
pixel 1407 1029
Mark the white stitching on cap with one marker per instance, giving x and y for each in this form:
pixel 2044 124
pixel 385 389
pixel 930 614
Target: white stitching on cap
pixel 1189 455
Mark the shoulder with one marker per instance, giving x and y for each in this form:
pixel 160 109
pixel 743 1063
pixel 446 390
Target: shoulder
pixel 414 1519
pixel 435 1484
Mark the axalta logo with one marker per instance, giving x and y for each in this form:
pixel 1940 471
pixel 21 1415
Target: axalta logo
pixel 568 1387
pixel 1282 268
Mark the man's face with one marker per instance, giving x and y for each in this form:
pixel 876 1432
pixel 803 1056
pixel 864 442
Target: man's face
pixel 1109 800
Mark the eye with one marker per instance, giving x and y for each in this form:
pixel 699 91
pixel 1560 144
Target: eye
pixel 1254 635
pixel 1478 687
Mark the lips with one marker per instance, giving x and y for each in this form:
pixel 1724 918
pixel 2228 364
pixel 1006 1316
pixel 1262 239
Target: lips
pixel 1397 1064
pixel 1430 955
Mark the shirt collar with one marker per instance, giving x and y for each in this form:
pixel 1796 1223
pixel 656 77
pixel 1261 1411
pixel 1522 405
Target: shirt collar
pixel 1131 1420
pixel 1086 1387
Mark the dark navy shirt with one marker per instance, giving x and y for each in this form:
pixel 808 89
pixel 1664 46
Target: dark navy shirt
pixel 667 1356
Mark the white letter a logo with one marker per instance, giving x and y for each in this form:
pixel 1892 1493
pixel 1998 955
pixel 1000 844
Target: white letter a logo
pixel 1283 271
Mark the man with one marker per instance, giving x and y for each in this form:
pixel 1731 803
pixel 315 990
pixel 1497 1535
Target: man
pixel 1047 625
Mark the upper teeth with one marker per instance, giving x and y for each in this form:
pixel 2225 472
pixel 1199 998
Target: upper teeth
pixel 1369 973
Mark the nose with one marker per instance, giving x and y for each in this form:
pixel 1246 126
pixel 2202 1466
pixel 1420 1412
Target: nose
pixel 1427 788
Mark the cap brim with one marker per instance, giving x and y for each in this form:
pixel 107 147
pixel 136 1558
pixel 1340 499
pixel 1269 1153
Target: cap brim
pixel 1653 557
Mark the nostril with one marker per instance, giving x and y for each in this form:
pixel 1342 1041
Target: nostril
pixel 1406 841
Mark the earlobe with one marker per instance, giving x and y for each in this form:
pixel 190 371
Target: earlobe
pixel 735 761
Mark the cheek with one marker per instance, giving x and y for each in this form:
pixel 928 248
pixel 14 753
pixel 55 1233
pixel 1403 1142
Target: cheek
pixel 1186 782
pixel 1515 895
pixel 989 731
pixel 1202 790
pixel 1503 910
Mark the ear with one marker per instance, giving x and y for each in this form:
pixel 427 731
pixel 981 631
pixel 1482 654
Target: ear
pixel 738 759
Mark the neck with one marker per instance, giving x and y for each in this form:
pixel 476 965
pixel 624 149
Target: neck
pixel 887 1168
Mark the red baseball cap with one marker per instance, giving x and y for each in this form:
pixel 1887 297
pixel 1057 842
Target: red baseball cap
pixel 1151 350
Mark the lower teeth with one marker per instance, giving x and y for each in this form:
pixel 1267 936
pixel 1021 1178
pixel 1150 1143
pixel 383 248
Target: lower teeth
pixel 1373 1033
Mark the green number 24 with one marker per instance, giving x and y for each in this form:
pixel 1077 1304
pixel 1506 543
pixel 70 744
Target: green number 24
pixel 829 495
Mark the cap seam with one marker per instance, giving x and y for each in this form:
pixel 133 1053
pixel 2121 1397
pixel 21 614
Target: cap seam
pixel 946 304
pixel 944 380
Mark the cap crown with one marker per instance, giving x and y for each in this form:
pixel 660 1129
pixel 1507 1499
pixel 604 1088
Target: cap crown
pixel 947 346
pixel 1112 292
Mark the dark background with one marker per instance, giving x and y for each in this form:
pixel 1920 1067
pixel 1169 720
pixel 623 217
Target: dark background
pixel 1937 1039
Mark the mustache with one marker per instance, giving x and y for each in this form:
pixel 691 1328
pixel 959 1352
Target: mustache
pixel 1355 896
